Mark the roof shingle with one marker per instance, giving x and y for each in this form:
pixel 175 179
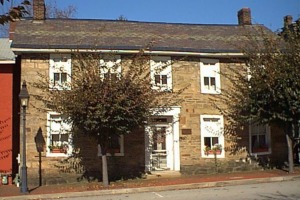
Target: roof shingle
pixel 128 35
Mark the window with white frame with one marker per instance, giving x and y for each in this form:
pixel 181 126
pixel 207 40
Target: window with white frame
pixel 59 140
pixel 60 71
pixel 259 138
pixel 115 146
pixel 210 76
pixel 110 67
pixel 161 73
pixel 212 137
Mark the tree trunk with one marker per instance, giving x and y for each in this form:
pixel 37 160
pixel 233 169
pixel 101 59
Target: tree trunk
pixel 104 171
pixel 102 152
pixel 290 153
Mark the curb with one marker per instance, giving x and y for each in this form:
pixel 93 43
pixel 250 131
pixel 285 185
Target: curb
pixel 154 188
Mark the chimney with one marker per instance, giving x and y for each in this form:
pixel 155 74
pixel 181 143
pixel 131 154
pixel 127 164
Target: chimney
pixel 244 16
pixel 39 9
pixel 11 30
pixel 287 20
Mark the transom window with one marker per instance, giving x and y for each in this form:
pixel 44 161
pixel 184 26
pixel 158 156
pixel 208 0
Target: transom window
pixel 161 73
pixel 260 139
pixel 210 76
pixel 60 71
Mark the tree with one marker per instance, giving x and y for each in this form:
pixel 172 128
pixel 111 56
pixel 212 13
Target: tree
pixel 107 100
pixel 267 89
pixel 15 12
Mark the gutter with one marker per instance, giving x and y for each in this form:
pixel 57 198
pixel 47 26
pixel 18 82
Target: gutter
pixel 7 61
pixel 19 51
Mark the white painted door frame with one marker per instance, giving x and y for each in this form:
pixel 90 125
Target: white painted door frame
pixel 172 142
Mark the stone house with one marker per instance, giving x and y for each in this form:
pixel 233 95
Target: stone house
pixel 202 51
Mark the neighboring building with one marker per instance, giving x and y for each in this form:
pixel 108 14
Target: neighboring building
pixel 202 51
pixel 9 119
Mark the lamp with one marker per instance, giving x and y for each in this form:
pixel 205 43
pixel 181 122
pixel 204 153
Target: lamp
pixel 24 99
pixel 24 96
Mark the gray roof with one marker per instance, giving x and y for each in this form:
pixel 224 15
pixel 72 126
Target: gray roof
pixel 128 35
pixel 6 53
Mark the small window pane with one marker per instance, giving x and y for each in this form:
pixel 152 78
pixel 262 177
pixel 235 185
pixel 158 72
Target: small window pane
pixel 213 82
pixel 106 76
pixel 207 141
pixel 215 140
pixel 157 79
pixel 164 79
pixel 56 77
pixel 55 138
pixel 63 77
pixel 114 144
pixel 64 137
pixel 206 81
pixel 114 77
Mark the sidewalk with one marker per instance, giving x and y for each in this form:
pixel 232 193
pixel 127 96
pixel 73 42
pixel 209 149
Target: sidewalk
pixel 156 182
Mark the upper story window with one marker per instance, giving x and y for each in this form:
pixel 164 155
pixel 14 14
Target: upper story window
pixel 212 137
pixel 110 67
pixel 260 142
pixel 210 76
pixel 161 73
pixel 60 71
pixel 59 140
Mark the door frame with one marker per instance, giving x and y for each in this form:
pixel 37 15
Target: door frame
pixel 173 151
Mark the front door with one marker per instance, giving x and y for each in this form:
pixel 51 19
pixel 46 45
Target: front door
pixel 162 142
pixel 159 151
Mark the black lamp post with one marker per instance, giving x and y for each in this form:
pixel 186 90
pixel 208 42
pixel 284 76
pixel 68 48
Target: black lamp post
pixel 24 98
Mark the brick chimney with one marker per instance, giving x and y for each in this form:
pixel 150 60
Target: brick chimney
pixel 39 9
pixel 244 16
pixel 287 20
pixel 11 30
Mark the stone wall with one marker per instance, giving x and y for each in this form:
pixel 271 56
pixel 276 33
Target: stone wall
pixel 186 72
pixel 131 164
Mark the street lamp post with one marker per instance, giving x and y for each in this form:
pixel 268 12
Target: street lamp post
pixel 24 98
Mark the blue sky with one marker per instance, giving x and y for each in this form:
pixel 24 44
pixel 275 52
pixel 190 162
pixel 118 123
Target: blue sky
pixel 267 12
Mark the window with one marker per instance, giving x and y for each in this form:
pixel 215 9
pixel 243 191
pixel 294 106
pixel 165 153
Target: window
pixel 161 73
pixel 110 68
pixel 210 76
pixel 212 137
pixel 58 138
pixel 116 146
pixel 60 71
pixel 259 139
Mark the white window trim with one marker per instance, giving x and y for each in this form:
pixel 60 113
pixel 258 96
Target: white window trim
pixel 48 140
pixel 220 136
pixel 215 72
pixel 158 63
pixel 121 139
pixel 268 136
pixel 113 62
pixel 59 67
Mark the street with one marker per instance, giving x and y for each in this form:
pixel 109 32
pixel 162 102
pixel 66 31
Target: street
pixel 289 190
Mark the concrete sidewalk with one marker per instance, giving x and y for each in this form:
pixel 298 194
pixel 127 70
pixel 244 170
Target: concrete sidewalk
pixel 156 182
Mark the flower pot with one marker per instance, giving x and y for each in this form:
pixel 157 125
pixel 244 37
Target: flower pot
pixel 212 152
pixel 56 151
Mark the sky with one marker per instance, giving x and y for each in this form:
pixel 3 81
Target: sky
pixel 267 12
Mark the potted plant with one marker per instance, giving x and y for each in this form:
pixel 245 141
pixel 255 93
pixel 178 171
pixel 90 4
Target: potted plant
pixel 216 149
pixel 60 147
